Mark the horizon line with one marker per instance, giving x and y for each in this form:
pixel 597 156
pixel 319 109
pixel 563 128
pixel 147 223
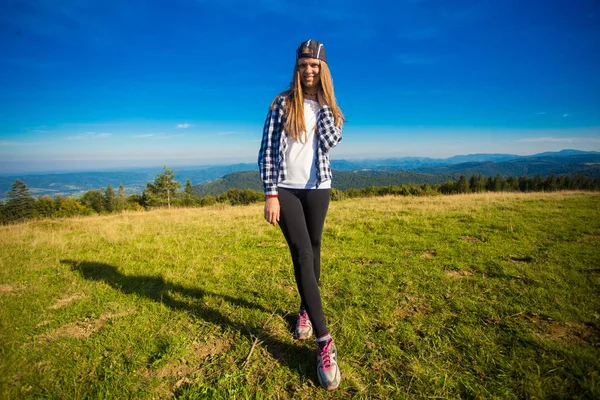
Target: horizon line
pixel 68 170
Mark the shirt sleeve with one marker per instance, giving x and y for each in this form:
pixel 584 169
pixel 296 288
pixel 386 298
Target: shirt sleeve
pixel 328 133
pixel 269 150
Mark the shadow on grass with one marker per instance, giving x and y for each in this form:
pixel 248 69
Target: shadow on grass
pixel 296 357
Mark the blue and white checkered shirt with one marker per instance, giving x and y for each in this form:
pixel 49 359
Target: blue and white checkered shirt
pixel 271 158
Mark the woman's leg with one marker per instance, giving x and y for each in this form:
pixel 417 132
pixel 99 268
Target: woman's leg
pixel 294 226
pixel 316 204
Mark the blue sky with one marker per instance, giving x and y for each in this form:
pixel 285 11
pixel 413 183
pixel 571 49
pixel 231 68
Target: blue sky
pixel 91 84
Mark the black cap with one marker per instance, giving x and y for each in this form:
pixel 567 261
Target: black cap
pixel 311 49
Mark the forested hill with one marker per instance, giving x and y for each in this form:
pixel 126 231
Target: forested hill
pixel 580 164
pixel 369 172
pixel 342 180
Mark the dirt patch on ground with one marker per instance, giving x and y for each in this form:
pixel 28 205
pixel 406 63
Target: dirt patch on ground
pixel 202 350
pixel 6 289
pixel 414 307
pixel 181 372
pixel 458 274
pixel 65 301
pixel 572 332
pixel 9 290
pixel 429 254
pixel 470 239
pixel 81 329
pixel 174 370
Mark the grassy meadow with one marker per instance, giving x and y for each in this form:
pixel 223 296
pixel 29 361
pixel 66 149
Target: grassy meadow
pixel 465 296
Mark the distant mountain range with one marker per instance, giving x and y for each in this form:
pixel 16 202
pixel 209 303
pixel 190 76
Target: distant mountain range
pixel 389 172
pixel 133 180
pixel 396 171
pixel 415 163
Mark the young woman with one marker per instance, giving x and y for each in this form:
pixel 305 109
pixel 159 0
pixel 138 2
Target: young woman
pixel 303 124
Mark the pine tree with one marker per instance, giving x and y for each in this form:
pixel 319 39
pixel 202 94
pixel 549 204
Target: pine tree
pixel 20 204
pixel 189 190
pixel 499 183
pixel 188 199
pixel 163 190
pixel 463 185
pixel 121 200
pixel 512 184
pixel 473 183
pixel 109 199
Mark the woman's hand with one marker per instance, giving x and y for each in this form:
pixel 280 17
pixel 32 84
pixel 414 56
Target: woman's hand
pixel 272 210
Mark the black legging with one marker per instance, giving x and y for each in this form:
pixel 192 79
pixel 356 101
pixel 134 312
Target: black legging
pixel 302 217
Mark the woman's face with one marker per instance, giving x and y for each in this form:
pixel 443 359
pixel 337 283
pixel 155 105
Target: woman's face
pixel 310 72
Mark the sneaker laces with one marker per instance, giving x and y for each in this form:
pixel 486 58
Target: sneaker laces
pixel 325 354
pixel 303 320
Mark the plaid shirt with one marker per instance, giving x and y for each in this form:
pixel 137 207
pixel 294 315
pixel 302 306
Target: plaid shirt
pixel 271 158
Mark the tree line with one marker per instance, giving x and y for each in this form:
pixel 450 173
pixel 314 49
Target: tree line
pixel 164 192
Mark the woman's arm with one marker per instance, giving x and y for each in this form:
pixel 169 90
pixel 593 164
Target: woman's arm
pixel 269 149
pixel 328 133
pixel 267 161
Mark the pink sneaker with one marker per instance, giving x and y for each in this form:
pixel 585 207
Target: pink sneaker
pixel 304 328
pixel 328 371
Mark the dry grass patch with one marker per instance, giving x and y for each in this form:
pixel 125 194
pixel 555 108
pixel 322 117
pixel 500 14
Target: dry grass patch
pixel 429 254
pixel 458 274
pixel 65 301
pixel 272 244
pixel 6 289
pixel 415 307
pixel 591 237
pixel 81 329
pixel 571 332
pixel 202 350
pixel 470 239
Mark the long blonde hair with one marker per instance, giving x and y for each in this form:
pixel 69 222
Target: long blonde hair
pixel 294 110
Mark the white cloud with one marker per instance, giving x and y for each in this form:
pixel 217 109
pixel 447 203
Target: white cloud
pixel 566 115
pixel 146 135
pixel 89 135
pixel 183 126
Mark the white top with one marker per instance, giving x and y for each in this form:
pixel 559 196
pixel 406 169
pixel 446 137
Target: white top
pixel 301 158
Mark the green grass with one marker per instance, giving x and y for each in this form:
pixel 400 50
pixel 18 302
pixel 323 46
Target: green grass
pixel 469 296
